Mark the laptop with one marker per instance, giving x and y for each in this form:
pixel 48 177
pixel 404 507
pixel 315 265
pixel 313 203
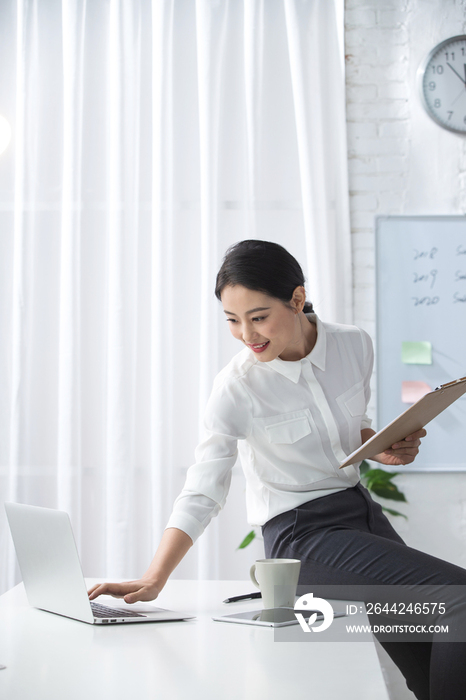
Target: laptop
pixel 52 573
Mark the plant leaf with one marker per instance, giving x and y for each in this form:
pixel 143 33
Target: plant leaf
pixel 379 482
pixel 247 540
pixel 389 491
pixel 394 512
pixel 379 475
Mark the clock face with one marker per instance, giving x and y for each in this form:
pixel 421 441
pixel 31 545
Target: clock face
pixel 442 82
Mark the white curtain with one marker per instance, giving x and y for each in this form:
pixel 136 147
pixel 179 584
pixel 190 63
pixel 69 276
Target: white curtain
pixel 147 138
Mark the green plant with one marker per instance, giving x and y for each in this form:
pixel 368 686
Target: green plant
pixel 380 482
pixel 248 539
pixel 377 480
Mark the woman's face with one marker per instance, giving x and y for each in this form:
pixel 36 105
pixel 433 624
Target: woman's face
pixel 265 324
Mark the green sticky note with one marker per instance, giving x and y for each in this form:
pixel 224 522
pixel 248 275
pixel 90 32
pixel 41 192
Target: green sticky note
pixel 419 353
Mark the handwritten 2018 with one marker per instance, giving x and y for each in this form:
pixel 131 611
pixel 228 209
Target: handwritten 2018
pixel 425 253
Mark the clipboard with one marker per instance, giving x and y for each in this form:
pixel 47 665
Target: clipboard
pixel 414 418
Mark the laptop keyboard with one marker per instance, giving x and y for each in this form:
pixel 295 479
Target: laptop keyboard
pixel 100 610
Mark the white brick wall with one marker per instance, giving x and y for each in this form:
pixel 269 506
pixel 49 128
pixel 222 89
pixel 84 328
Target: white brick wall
pixel 401 162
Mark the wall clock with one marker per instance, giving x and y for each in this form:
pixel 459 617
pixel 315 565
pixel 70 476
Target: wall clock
pixel 442 83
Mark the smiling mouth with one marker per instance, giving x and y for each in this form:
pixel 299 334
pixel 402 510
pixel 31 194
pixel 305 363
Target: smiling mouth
pixel 259 348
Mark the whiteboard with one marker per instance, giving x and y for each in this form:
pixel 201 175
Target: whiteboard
pixel 421 298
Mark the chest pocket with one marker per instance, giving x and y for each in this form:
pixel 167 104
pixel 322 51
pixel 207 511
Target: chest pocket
pixel 289 428
pixel 353 401
pixel 356 405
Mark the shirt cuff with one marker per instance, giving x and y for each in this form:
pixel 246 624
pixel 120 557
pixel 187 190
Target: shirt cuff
pixel 187 523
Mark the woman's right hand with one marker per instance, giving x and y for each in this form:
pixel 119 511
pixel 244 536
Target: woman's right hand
pixel 172 548
pixel 131 591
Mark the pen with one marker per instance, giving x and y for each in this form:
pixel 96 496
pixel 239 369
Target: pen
pixel 248 596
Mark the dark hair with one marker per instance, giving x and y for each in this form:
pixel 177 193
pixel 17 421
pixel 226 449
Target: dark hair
pixel 263 267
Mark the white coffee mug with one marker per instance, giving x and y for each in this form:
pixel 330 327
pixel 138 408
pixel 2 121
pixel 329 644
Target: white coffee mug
pixel 277 580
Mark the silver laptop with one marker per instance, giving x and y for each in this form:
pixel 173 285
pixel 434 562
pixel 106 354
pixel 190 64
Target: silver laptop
pixel 52 573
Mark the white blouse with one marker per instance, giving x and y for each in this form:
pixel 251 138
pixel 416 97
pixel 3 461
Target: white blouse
pixel 292 423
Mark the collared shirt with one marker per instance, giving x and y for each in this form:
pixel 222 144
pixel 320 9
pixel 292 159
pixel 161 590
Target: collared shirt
pixel 292 423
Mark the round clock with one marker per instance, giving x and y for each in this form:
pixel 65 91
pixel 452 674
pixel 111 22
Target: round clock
pixel 442 83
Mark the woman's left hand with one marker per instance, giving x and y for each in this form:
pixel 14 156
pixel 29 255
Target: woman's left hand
pixel 403 451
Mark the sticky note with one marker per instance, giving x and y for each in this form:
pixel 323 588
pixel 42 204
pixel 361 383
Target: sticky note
pixel 412 391
pixel 419 353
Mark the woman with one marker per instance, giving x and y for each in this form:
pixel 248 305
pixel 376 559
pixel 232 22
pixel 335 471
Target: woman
pixel 293 402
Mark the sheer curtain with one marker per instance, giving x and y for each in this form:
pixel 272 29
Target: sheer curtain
pixel 147 138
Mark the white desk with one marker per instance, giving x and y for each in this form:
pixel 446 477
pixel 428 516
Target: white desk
pixel 53 658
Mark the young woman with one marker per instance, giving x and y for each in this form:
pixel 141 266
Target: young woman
pixel 293 402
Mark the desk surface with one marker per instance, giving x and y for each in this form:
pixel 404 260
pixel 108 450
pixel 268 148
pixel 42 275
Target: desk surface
pixel 53 658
